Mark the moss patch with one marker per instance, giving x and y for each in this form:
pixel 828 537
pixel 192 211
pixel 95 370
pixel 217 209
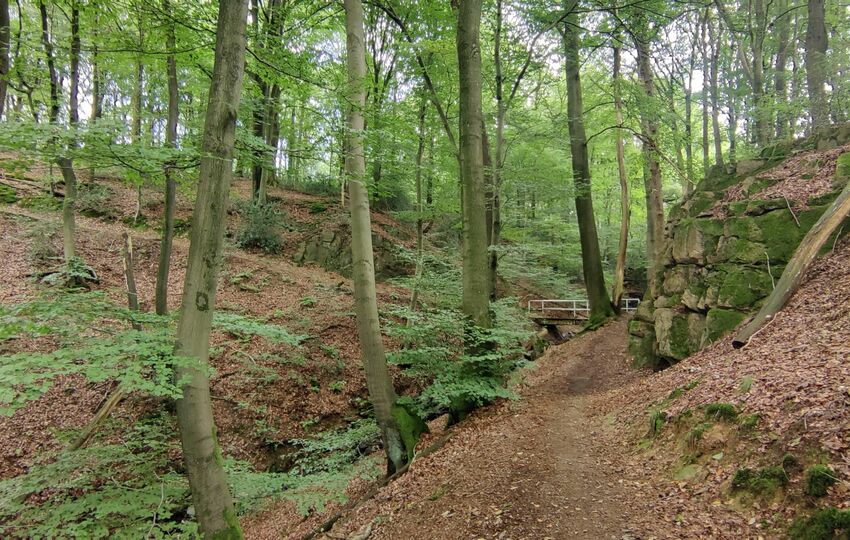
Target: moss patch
pixel 764 482
pixel 721 411
pixel 823 524
pixel 410 426
pixel 719 322
pixel 818 480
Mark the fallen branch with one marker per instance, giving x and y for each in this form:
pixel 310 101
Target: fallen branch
pixel 803 257
pixel 102 413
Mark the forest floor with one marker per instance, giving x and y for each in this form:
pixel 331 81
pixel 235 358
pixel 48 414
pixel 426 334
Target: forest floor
pixel 575 457
pixel 535 468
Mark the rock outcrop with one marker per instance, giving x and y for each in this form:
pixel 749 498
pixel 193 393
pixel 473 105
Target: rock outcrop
pixel 728 242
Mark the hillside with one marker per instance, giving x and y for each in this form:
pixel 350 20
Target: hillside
pixel 597 449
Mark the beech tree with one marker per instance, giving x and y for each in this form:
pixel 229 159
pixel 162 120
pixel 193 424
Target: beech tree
pixel 381 391
pixel 594 280
pixel 476 292
pixel 207 479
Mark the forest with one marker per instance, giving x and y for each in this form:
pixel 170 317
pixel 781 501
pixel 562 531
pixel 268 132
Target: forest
pixel 425 269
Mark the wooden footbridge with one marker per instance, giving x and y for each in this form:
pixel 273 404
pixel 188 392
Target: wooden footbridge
pixel 550 313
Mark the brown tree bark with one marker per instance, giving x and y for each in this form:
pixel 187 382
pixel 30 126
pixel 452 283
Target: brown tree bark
pixel 378 380
pixel 207 478
pixel 5 44
pixel 594 279
pixel 476 303
pixel 816 45
pixel 165 245
pixel 652 178
pixel 625 198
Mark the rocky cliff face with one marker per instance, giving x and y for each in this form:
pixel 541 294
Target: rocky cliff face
pixel 729 241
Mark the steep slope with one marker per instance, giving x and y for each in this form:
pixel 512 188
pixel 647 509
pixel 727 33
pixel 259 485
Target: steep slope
pixel 728 242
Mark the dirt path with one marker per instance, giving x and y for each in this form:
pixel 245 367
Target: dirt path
pixel 534 468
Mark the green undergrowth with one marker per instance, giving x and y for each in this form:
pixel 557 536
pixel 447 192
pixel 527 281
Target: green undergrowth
pixel 93 337
pixel 131 488
pixel 764 482
pixel 822 524
pixel 462 367
pixel 818 480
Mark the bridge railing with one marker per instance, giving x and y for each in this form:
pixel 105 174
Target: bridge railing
pixel 574 307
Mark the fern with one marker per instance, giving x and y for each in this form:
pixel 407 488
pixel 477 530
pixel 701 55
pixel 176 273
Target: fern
pixel 244 327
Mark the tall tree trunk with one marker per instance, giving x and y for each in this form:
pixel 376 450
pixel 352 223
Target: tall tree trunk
pixel 762 105
pixel 378 380
pixel 420 203
pixel 625 199
pixel 207 479
pixel 5 44
pixel 489 209
pixel 136 109
pixel 594 279
pixel 170 185
pixel 476 303
pixel 706 78
pixel 714 90
pixel 816 45
pixel 495 225
pixel 65 163
pixel 652 178
pixel 795 79
pixel 780 83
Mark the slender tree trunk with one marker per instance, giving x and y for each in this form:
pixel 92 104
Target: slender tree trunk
pixel 495 224
pixel 795 79
pixel 207 479
pixel 136 110
pixel 475 261
pixel 594 280
pixel 780 84
pixel 714 91
pixel 816 45
pixel 652 179
pixel 5 44
pixel 490 197
pixel 170 185
pixel 705 86
pixel 378 380
pixel 625 199
pixel 65 163
pixel 762 105
pixel 420 203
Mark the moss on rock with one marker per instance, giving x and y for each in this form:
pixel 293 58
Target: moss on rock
pixel 719 322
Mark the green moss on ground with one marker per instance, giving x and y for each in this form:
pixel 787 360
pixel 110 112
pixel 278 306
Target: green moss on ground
pixel 721 411
pixel 818 480
pixel 823 524
pixel 764 482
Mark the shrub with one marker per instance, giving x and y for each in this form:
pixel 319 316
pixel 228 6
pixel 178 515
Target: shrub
pixel 261 227
pixel 818 480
